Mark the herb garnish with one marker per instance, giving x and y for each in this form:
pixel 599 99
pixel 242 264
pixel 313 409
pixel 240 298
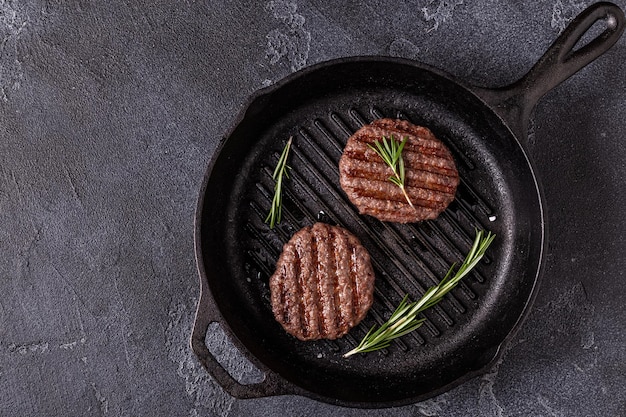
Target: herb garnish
pixel 404 320
pixel 391 152
pixel 276 211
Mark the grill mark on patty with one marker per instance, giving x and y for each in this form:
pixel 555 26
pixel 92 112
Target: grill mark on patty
pixel 278 300
pixel 412 160
pixel 352 280
pixel 298 292
pixel 366 297
pixel 293 304
pixel 414 177
pixel 333 280
pixel 357 287
pixel 324 278
pixel 312 284
pixel 338 254
pixel 431 177
pixel 359 149
pixel 387 210
pixel 408 128
pixel 418 144
pixel 386 190
pixel 336 280
pixel 354 273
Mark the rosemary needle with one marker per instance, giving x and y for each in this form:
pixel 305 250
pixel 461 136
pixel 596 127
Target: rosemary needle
pixel 404 320
pixel 276 211
pixel 391 152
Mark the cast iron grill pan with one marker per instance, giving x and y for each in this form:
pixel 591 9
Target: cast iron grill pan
pixel 320 108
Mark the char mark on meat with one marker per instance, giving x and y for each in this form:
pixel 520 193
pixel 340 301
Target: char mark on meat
pixel 323 284
pixel 431 174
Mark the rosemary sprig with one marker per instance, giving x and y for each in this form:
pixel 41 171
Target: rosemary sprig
pixel 391 152
pixel 276 211
pixel 404 320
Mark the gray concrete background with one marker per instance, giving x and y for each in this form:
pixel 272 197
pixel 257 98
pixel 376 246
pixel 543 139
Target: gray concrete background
pixel 109 114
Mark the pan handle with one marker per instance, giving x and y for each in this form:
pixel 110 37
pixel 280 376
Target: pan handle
pixel 515 102
pixel 206 314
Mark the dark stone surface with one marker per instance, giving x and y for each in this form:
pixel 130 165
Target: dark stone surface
pixel 109 114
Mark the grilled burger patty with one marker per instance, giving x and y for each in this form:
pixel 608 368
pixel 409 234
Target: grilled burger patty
pixel 323 284
pixel 431 175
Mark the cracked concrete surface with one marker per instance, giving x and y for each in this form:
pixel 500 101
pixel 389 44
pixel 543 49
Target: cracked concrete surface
pixel 109 115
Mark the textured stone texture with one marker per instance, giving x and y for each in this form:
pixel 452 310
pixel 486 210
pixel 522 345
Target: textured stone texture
pixel 109 114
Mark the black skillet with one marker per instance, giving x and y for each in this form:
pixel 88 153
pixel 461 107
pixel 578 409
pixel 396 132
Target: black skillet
pixel 320 107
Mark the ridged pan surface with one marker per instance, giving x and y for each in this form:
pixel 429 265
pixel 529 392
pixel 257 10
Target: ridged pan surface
pixel 498 192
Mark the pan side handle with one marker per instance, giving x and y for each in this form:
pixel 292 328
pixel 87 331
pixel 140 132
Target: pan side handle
pixel 206 314
pixel 515 102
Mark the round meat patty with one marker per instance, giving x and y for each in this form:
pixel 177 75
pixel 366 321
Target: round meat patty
pixel 431 175
pixel 323 284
